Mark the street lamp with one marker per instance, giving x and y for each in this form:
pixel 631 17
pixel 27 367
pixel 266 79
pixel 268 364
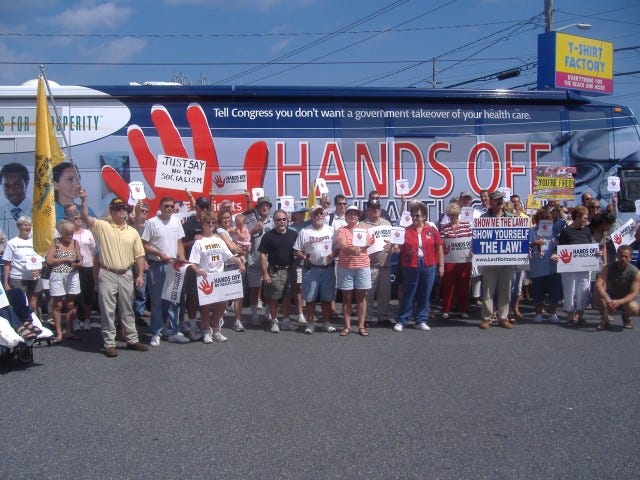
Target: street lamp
pixel 581 26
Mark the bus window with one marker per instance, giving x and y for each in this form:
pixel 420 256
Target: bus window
pixel 629 189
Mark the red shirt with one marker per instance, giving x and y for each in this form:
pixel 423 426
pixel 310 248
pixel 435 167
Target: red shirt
pixel 430 242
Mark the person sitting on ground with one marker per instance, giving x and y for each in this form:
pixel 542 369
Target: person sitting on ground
pixel 618 287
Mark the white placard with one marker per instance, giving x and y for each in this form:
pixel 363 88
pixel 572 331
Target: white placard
pixel 466 215
pixel 256 193
pixel 405 219
pixel 359 237
pixel 321 184
pixel 381 235
pixel 625 235
pixel 613 184
pixel 325 248
pixel 229 183
pixel 178 173
pixel 136 189
pixel 397 235
pixel 402 186
pixel 173 280
pixel 457 250
pixel 4 301
pixel 287 203
pixel 34 261
pixel 578 258
pixel 506 191
pixel 219 287
pixel 545 228
pixel 132 201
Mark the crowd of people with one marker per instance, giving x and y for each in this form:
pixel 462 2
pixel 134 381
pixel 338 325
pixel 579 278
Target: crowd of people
pixel 293 261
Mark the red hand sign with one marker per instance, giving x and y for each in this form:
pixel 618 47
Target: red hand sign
pixel 256 157
pixel 565 256
pixel 205 286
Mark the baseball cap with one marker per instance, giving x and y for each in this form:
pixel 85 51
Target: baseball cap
pixel 300 210
pixel 117 202
pixel 262 200
pixel 203 203
pixel 354 208
pixel 315 208
pixel 497 195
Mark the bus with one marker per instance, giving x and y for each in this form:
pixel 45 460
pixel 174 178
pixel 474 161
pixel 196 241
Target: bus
pixel 441 141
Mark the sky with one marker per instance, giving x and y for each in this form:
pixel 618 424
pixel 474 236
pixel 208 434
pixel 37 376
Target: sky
pixel 376 43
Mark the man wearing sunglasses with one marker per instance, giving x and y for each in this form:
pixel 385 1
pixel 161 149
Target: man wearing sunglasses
pixel 162 240
pixel 120 248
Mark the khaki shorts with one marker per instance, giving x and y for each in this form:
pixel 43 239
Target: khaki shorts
pixel 283 284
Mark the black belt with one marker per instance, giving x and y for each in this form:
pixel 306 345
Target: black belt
pixel 114 270
pixel 311 265
pixel 277 268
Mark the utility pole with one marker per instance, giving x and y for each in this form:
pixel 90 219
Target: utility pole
pixel 433 75
pixel 548 15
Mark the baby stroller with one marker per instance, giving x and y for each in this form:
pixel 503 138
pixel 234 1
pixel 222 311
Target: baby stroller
pixel 20 328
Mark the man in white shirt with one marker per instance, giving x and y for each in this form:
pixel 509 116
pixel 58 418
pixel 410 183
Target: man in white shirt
pixel 162 240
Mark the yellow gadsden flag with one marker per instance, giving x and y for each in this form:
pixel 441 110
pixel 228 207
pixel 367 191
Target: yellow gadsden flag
pixel 48 154
pixel 311 198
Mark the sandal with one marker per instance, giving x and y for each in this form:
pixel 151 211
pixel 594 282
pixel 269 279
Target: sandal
pixel 603 325
pixel 32 327
pixel 363 332
pixel 345 331
pixel 26 333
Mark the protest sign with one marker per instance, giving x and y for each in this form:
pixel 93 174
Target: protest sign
pixel 173 280
pixel 229 183
pixel 457 250
pixel 625 235
pixel 500 241
pixel 381 235
pixel 219 287
pixel 554 183
pixel 178 173
pixel 578 258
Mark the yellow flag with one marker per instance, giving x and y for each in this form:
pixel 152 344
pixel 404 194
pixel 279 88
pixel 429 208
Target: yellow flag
pixel 311 198
pixel 47 152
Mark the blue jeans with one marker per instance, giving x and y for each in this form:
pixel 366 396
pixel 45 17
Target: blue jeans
pixel 161 308
pixel 140 297
pixel 417 284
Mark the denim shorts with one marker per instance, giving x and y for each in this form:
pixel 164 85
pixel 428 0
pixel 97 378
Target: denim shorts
pixel 354 278
pixel 319 281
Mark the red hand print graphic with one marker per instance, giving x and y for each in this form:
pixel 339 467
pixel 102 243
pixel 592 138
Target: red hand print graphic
pixel 617 238
pixel 219 181
pixel 205 286
pixel 565 256
pixel 446 248
pixel 256 157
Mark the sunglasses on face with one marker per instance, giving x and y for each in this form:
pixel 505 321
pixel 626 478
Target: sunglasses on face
pixel 119 208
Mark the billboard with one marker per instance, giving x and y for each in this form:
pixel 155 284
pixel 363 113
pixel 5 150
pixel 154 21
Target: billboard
pixel 572 62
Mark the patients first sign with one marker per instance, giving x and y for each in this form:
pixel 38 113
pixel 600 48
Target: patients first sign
pixel 571 62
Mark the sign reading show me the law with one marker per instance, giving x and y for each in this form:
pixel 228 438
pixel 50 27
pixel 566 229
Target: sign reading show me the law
pixel 500 241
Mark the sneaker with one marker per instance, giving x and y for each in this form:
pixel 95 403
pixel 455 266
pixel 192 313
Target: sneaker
pixel 219 337
pixel 329 328
pixel 178 338
pixel 237 326
pixel 77 326
pixel 445 316
pixel 538 318
pixel 398 327
pixel 274 327
pixel 464 316
pixel 422 327
pixel 86 325
pixel 302 319
pixel 553 318
pixel 310 328
pixel 155 341
pixel 484 325
pixel 207 337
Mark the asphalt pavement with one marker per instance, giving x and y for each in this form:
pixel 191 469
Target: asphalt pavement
pixel 538 401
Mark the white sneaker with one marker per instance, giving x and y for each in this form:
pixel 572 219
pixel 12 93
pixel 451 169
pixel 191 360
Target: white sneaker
pixel 155 341
pixel 178 338
pixel 86 325
pixel 329 328
pixel 237 326
pixel 538 318
pixel 422 327
pixel 445 316
pixel 274 327
pixel 219 337
pixel 553 318
pixel 301 319
pixel 77 326
pixel 464 316
pixel 207 337
pixel 397 327
pixel 310 328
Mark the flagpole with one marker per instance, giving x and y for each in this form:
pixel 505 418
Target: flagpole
pixel 58 121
